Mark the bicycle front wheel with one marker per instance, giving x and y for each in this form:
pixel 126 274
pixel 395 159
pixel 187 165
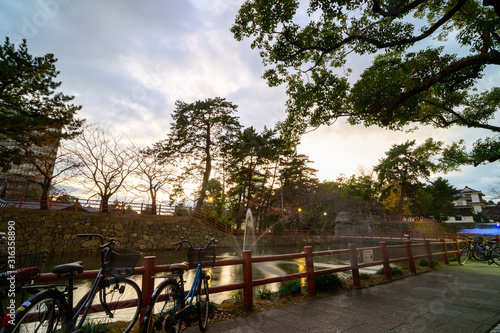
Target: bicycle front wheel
pixel 202 303
pixel 160 313
pixel 464 256
pixel 44 312
pixel 495 255
pixel 115 306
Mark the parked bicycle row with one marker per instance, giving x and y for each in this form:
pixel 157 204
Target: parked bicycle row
pixel 113 300
pixel 481 250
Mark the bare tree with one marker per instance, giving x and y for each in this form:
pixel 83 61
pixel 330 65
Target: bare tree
pixel 105 162
pixel 153 176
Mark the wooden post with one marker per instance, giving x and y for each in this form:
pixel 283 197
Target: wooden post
pixel 247 280
pixel 353 254
pixel 385 260
pixel 148 285
pixel 445 250
pixel 311 285
pixel 428 250
pixel 457 248
pixel 411 260
pixel 21 201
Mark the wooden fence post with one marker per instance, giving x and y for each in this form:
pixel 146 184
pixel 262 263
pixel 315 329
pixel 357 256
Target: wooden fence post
pixel 385 260
pixel 147 289
pixel 456 245
pixel 311 285
pixel 247 280
pixel 353 254
pixel 428 249
pixel 445 252
pixel 411 260
pixel 21 201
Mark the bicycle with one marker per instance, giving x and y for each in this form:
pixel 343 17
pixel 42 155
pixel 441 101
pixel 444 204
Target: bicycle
pixel 169 305
pixel 116 299
pixel 480 251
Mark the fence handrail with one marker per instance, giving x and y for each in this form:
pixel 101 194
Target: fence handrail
pixel 150 268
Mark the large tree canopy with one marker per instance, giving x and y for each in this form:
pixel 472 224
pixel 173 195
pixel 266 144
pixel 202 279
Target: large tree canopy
pixel 417 75
pixel 32 113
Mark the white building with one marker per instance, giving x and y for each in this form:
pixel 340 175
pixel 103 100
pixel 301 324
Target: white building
pixel 469 203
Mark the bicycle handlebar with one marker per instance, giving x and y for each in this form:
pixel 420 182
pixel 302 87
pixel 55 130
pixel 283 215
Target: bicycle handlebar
pixel 182 241
pixel 110 244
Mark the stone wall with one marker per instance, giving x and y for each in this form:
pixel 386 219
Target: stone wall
pixel 56 231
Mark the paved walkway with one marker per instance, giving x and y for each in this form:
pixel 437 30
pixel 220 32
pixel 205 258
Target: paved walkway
pixel 453 299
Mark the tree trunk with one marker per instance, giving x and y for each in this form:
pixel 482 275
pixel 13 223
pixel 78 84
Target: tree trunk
pixel 105 204
pixel 204 184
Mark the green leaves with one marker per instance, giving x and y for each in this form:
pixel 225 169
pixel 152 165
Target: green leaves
pixel 31 111
pixel 307 45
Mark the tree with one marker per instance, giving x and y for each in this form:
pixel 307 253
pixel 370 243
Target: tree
pixel 153 176
pixel 105 162
pixel 405 164
pixel 253 166
pixel 196 137
pixel 435 200
pixel 407 82
pixel 32 114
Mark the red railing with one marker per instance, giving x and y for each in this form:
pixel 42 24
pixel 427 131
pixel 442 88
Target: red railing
pixel 150 269
pixel 395 235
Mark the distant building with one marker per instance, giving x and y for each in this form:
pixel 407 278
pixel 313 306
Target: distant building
pixel 469 203
pixel 20 178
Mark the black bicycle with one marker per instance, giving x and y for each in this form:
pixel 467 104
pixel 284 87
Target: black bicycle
pixel 170 309
pixel 114 301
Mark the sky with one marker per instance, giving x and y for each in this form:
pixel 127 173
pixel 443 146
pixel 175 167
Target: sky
pixel 127 62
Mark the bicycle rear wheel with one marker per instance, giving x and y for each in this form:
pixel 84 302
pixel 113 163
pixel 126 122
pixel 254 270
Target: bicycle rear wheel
pixel 44 312
pixel 495 255
pixel 115 306
pixel 464 256
pixel 479 253
pixel 160 313
pixel 202 302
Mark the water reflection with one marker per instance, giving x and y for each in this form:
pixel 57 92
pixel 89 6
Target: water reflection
pixel 233 274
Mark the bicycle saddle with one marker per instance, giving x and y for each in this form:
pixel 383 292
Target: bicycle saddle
pixel 179 267
pixel 76 267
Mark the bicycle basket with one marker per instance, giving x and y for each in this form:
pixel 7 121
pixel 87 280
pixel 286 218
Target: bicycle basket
pixel 206 257
pixel 25 266
pixel 121 262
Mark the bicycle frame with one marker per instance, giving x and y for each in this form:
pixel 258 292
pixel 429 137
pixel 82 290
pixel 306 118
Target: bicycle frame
pixel 183 299
pixel 87 304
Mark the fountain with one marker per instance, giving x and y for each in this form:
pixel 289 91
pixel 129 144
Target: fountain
pixel 249 235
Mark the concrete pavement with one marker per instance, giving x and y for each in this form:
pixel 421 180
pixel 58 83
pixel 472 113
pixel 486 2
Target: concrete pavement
pixel 452 299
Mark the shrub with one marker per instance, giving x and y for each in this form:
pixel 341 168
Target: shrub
pixel 394 271
pixel 328 282
pixel 264 293
pixel 364 276
pixel 291 287
pixel 424 262
pixel 94 327
pixel 237 295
